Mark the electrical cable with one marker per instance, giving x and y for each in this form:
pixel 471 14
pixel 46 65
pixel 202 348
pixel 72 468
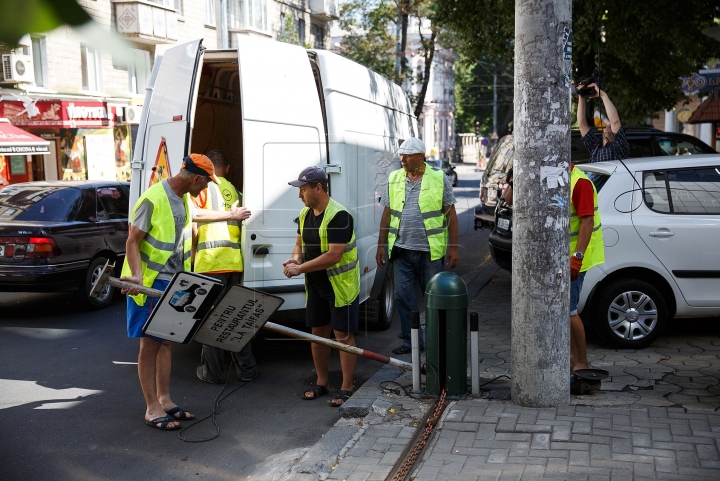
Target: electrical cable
pixel 211 416
pixel 407 389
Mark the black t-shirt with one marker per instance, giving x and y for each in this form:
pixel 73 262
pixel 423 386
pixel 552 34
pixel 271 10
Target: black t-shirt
pixel 339 231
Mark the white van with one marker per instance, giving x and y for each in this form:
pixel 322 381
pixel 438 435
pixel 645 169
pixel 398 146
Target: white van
pixel 274 109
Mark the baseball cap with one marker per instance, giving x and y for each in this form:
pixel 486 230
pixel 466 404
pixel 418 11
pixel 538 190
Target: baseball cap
pixel 413 145
pixel 199 164
pixel 310 175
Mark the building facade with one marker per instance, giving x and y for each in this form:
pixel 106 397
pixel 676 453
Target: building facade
pixel 64 87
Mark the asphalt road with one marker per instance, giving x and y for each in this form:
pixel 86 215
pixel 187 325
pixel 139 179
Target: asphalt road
pixel 71 406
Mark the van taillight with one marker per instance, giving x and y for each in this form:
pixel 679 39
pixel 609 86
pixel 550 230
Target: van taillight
pixel 40 248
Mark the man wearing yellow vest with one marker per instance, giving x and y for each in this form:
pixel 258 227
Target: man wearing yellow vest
pixel 159 245
pixel 326 253
pixel 586 251
pixel 218 254
pixel 420 227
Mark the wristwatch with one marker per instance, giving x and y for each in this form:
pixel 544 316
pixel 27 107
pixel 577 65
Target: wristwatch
pixel 579 255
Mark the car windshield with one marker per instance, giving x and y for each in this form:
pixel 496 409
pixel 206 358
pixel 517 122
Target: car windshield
pixel 434 163
pixel 38 203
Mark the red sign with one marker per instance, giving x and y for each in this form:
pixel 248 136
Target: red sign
pixel 67 114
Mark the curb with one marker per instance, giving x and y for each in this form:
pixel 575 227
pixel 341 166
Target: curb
pixel 317 462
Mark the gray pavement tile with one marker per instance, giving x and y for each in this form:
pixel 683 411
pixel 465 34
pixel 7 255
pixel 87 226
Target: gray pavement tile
pixel 641 439
pixel 540 441
pixel 707 452
pixel 464 440
pixel 632 458
pixel 541 453
pixel 570 446
pixel 702 472
pixel 579 458
pixel 710 465
pixel 581 427
pixel 599 452
pixel 687 459
pixel 621 446
pixel 533 428
pixel 560 433
pixel 497 456
pixel 693 439
pixel 506 425
pixel 661 434
pixel 611 433
pixel 427 473
pixel 358 476
pixel 587 438
pixel 492 444
pixel 512 436
pixel 662 453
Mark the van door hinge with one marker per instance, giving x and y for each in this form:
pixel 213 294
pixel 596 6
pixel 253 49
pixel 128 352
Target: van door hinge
pixel 137 165
pixel 333 169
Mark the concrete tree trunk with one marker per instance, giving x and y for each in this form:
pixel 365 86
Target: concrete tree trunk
pixel 541 195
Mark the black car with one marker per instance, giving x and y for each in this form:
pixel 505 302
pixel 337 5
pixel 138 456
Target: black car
pixel 644 142
pixel 57 236
pixel 446 167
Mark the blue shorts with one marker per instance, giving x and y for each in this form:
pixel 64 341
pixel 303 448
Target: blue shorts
pixel 575 288
pixel 137 316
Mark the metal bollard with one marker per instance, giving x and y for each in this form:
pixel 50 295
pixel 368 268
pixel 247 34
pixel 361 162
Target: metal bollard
pixel 415 343
pixel 474 354
pixel 446 304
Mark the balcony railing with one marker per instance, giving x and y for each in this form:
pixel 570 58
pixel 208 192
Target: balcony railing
pixel 325 8
pixel 146 22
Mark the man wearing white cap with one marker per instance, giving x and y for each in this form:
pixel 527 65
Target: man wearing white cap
pixel 420 227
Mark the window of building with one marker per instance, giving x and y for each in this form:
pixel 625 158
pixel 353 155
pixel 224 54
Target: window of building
pixel 139 71
pixel 210 12
pixel 318 33
pixel 247 13
pixel 39 54
pixel 91 68
pixel 179 7
pixel 301 30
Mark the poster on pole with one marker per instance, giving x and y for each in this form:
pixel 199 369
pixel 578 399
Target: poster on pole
pixel 183 307
pixel 236 317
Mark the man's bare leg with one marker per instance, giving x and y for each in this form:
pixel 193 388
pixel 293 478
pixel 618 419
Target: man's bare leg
pixel 578 352
pixel 148 374
pixel 321 357
pixel 347 360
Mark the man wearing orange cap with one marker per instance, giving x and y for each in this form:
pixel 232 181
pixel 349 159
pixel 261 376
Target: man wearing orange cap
pixel 159 245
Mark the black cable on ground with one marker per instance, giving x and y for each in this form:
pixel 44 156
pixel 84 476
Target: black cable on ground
pixel 407 389
pixel 211 416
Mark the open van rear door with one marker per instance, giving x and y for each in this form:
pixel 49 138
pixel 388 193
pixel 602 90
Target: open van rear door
pixel 283 132
pixel 168 113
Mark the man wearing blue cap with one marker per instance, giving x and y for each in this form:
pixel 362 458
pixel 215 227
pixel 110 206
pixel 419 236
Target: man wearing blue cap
pixel 419 226
pixel 326 253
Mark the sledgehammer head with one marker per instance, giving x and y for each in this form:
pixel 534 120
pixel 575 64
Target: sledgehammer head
pixel 102 280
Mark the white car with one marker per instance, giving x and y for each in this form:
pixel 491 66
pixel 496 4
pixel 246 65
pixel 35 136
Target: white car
pixel 661 229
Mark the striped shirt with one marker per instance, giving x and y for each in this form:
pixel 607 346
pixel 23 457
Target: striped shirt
pixel 411 234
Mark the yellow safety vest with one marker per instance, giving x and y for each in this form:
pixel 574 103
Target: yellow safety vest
pixel 228 191
pixel 431 208
pixel 218 244
pixel 595 252
pixel 159 244
pixel 345 275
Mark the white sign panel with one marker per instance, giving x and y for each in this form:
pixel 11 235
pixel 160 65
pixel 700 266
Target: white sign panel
pixel 183 306
pixel 236 318
pixel 100 151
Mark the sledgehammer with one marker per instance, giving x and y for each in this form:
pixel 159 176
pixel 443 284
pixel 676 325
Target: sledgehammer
pixel 105 279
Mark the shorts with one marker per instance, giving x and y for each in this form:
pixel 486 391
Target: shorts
pixel 137 316
pixel 321 311
pixel 575 288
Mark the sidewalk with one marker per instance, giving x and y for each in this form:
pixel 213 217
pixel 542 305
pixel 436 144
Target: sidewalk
pixel 653 419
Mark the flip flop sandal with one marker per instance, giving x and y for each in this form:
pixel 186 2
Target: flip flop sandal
pixel 162 423
pixel 182 415
pixel 342 396
pixel 316 391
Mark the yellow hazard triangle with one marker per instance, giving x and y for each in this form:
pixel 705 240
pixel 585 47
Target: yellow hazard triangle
pixel 161 170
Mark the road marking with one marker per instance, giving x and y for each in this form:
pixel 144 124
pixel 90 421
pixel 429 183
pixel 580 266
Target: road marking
pixel 44 334
pixel 123 362
pixel 16 393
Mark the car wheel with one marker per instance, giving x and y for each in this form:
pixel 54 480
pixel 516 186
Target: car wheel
pixel 377 313
pixel 630 314
pixel 454 179
pixel 106 295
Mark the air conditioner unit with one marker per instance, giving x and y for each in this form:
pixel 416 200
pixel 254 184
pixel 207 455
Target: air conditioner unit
pixel 17 68
pixel 132 114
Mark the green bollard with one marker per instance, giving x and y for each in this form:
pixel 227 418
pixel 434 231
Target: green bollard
pixel 446 304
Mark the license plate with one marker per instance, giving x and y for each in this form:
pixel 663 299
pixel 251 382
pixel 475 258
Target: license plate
pixel 2 250
pixel 492 194
pixel 503 223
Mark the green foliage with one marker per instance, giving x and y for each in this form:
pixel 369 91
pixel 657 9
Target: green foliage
pixel 19 17
pixel 289 33
pixel 474 95
pixel 369 41
pixel 645 49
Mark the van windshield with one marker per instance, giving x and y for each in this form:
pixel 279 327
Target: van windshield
pixel 38 203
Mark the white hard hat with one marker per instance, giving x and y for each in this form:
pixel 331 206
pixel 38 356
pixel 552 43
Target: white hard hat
pixel 413 145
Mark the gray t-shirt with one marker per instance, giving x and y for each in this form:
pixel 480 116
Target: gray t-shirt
pixel 143 221
pixel 411 234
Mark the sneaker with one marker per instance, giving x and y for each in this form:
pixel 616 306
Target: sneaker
pixel 249 377
pixel 200 371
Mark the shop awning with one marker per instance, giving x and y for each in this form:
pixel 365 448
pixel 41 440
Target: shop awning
pixel 15 141
pixel 708 111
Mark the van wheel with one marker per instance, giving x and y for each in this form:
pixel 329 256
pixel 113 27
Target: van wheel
pixel 105 298
pixel 630 314
pixel 377 313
